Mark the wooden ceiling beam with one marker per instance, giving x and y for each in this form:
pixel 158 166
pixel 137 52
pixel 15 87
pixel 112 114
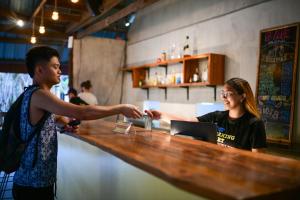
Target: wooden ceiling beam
pixel 20 67
pixel 37 10
pixel 28 32
pixel 63 17
pixel 80 5
pixel 104 8
pixel 49 25
pixel 133 7
pixel 86 19
pixel 27 40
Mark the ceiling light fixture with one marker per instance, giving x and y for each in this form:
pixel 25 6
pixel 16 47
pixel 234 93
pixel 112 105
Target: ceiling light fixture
pixel 20 22
pixel 129 20
pixel 55 15
pixel 33 38
pixel 74 1
pixel 42 27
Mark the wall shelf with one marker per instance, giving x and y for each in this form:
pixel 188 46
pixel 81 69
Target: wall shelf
pixel 213 64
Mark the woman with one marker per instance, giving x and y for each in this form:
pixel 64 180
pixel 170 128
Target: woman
pixel 86 93
pixel 240 125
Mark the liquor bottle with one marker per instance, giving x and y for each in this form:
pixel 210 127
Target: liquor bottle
pixel 204 75
pixel 186 47
pixel 196 75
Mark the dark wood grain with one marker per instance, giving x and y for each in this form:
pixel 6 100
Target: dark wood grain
pixel 202 168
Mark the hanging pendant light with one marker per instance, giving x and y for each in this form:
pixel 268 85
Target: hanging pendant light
pixel 55 15
pixel 33 38
pixel 20 23
pixel 74 1
pixel 42 27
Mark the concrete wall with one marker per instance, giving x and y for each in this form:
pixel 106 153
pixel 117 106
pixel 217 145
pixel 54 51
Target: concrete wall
pixel 99 60
pixel 228 27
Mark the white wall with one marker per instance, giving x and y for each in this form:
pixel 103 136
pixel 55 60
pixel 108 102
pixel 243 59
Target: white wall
pixel 228 27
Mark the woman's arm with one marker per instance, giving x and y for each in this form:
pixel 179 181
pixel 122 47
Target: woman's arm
pixel 167 117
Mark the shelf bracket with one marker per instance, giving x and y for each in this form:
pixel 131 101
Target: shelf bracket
pixel 188 93
pixel 166 92
pixel 215 91
pixel 147 92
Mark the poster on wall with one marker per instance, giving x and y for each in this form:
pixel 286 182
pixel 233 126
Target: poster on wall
pixel 276 80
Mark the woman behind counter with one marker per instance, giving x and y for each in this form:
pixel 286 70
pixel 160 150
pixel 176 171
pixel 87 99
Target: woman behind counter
pixel 240 125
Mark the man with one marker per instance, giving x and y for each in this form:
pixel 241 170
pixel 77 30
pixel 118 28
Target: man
pixel 35 179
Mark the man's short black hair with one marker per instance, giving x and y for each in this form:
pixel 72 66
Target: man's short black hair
pixel 39 54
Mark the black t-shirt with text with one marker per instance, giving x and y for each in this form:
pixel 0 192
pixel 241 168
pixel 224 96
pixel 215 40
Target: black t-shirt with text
pixel 246 132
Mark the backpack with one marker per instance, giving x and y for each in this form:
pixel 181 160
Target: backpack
pixel 12 146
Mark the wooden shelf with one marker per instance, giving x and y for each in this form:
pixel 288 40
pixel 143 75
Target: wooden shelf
pixel 212 63
pixel 176 85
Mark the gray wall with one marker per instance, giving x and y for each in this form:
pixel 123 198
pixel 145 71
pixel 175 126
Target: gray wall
pixel 228 27
pixel 99 60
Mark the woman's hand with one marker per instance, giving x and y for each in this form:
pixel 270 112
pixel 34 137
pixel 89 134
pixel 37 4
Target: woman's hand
pixel 154 114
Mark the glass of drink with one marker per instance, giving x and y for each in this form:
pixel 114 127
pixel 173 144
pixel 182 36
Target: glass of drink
pixel 148 122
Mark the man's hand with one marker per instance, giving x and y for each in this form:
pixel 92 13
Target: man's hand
pixel 73 129
pixel 130 111
pixel 154 114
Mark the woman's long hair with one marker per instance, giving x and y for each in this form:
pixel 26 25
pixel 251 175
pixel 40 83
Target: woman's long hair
pixel 243 87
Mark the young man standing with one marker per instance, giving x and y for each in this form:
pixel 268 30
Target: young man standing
pixel 36 176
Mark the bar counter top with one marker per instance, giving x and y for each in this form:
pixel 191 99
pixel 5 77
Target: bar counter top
pixel 205 169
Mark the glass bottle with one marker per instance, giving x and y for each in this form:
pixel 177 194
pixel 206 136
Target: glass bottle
pixel 186 47
pixel 196 75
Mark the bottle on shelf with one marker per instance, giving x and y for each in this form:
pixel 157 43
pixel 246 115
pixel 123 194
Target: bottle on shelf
pixel 163 55
pixel 196 75
pixel 186 47
pixel 172 51
pixel 204 75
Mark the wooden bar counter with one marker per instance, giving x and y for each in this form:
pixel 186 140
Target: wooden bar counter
pixel 205 169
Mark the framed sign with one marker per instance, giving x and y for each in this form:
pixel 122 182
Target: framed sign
pixel 276 80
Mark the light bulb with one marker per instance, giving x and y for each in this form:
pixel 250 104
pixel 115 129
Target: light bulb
pixel 127 24
pixel 55 15
pixel 74 1
pixel 20 23
pixel 33 39
pixel 42 29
